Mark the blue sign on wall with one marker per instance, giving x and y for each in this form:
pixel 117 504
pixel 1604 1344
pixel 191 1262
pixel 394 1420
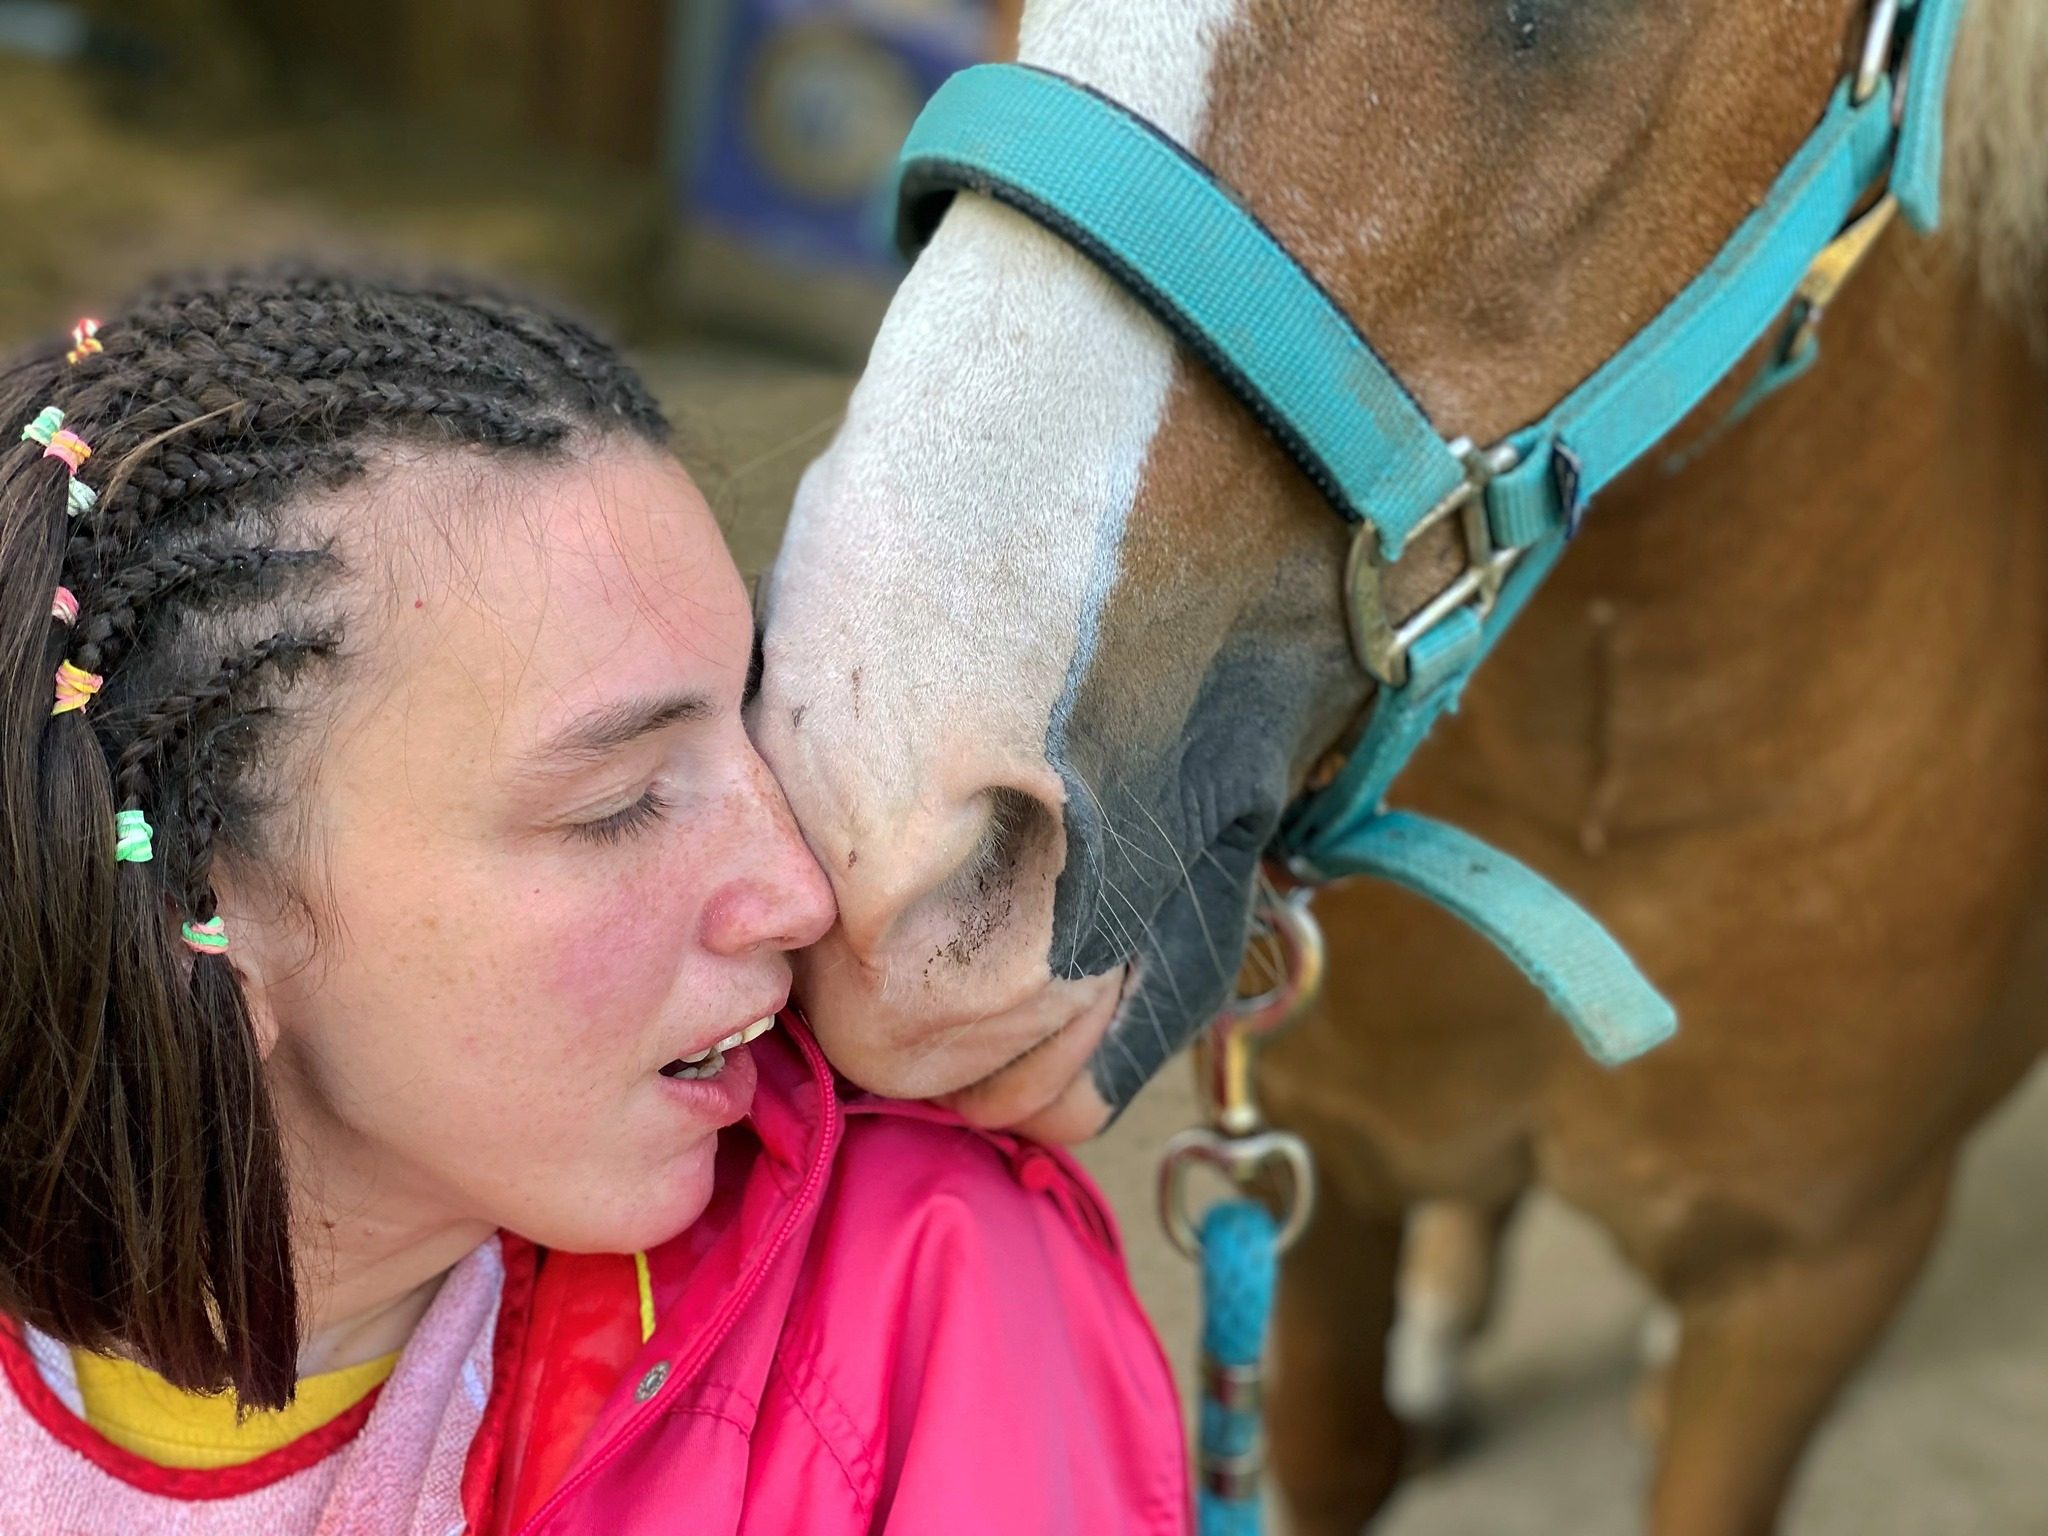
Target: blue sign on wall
pixel 798 109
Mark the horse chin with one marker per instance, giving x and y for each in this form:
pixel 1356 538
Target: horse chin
pixel 1049 1092
pixel 998 1063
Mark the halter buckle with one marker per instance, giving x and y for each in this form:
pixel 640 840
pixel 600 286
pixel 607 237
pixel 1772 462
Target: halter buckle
pixel 1380 643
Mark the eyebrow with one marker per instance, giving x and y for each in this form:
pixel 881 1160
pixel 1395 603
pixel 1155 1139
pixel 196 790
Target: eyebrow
pixel 605 730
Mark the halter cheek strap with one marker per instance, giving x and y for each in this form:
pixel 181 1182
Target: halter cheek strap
pixel 1155 219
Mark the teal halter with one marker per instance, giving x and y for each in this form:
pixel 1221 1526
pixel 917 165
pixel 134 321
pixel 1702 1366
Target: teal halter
pixel 1155 219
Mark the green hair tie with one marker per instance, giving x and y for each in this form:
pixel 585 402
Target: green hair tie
pixel 132 834
pixel 49 421
pixel 209 937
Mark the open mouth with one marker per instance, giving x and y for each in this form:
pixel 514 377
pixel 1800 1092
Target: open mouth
pixel 710 1061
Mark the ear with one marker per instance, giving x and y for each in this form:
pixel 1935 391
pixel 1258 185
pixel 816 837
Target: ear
pixel 268 942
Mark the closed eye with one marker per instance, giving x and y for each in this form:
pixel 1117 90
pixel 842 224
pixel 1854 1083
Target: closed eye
pixel 621 824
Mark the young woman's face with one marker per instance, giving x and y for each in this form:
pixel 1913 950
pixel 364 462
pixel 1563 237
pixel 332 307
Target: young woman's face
pixel 545 862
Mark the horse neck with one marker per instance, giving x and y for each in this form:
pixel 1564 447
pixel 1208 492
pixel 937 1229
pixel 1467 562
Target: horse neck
pixel 1919 428
pixel 1815 584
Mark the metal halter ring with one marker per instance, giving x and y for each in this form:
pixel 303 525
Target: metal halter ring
pixel 1239 1159
pixel 1876 60
pixel 1288 921
pixel 1223 1057
pixel 1380 641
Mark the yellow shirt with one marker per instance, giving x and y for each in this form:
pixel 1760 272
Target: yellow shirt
pixel 142 1413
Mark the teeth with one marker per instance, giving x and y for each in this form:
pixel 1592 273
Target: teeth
pixel 747 1036
pixel 709 1062
pixel 713 1062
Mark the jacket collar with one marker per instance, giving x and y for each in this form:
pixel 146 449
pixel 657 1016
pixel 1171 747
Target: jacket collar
pixel 732 1271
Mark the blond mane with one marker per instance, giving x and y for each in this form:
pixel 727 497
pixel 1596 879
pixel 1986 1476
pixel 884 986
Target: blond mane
pixel 1996 179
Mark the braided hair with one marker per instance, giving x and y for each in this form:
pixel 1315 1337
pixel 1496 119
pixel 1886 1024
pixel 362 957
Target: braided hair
pixel 143 1199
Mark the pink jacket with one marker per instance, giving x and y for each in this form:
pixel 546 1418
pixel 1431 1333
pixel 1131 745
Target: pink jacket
pixel 887 1322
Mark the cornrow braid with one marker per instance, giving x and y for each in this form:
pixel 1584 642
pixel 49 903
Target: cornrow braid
pixel 167 732
pixel 268 349
pixel 175 484
pixel 143 1201
pixel 121 602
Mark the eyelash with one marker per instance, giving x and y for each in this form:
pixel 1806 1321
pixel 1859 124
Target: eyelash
pixel 637 817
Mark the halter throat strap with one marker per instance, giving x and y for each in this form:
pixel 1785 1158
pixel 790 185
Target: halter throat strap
pixel 1156 220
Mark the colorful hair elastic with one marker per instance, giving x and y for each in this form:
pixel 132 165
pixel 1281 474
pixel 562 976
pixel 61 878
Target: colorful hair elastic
pixel 69 449
pixel 85 341
pixel 132 838
pixel 49 421
pixel 207 938
pixel 64 607
pixel 74 686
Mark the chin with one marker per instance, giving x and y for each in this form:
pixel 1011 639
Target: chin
pixel 635 1211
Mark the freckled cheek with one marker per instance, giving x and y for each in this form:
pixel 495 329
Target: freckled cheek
pixel 615 959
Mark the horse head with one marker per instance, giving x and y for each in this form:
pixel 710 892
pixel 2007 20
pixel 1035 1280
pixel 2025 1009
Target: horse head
pixel 1057 633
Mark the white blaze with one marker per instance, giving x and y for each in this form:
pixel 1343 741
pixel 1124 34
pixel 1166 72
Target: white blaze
pixel 956 542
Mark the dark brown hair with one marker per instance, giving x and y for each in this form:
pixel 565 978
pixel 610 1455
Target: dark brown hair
pixel 143 1201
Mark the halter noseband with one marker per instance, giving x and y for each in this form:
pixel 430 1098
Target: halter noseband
pixel 1155 219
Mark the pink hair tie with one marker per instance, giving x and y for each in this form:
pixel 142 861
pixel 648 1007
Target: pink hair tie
pixel 75 685
pixel 84 341
pixel 69 447
pixel 64 607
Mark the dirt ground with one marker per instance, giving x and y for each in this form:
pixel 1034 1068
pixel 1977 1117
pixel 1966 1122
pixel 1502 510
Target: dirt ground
pixel 1943 1433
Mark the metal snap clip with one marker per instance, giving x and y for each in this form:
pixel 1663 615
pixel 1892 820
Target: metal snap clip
pixel 651 1383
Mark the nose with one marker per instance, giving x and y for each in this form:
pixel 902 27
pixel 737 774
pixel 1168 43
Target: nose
pixel 776 897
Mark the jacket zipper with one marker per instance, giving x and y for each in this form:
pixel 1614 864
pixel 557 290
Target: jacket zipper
pixel 723 1324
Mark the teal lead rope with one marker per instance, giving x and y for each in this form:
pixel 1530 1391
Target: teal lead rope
pixel 1240 1267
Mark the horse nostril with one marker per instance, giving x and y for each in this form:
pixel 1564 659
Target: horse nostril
pixel 983 892
pixel 1015 820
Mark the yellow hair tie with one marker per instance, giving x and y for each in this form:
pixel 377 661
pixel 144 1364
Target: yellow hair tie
pixel 75 685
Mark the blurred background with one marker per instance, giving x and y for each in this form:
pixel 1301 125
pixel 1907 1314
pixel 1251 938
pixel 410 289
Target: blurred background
pixel 708 180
